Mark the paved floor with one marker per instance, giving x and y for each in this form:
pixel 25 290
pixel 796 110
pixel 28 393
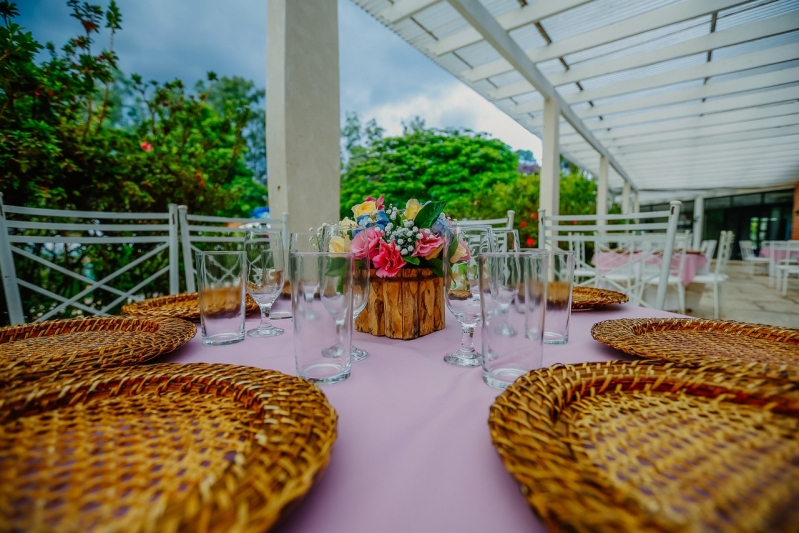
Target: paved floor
pixel 750 299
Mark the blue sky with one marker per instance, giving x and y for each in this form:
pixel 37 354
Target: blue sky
pixel 382 76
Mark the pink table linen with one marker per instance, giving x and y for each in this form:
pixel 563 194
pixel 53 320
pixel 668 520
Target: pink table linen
pixel 779 255
pixel 413 450
pixel 606 261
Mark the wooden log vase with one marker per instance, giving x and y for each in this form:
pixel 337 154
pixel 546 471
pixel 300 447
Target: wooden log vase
pixel 407 306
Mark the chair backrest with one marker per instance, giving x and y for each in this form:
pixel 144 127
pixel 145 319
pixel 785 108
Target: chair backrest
pixel 636 245
pixel 78 263
pixel 203 233
pixel 708 248
pixel 726 241
pixel 747 250
pixel 496 223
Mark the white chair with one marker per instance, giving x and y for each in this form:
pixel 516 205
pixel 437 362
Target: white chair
pixel 750 258
pixel 707 248
pixel 681 244
pixel 582 274
pixel 634 244
pixel 719 275
pixel 59 254
pixel 787 266
pixel 217 233
pixel 495 223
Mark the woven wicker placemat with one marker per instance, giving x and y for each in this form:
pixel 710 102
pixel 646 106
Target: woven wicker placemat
pixel 652 447
pixel 698 341
pixel 593 298
pixel 185 306
pixel 31 351
pixel 164 447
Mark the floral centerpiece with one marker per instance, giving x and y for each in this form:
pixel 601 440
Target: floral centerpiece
pixel 406 248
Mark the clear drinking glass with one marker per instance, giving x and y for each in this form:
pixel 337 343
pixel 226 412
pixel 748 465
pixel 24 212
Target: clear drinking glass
pixel 361 241
pixel 220 281
pixel 559 298
pixel 461 286
pixel 321 297
pixel 265 274
pixel 512 335
pixel 308 241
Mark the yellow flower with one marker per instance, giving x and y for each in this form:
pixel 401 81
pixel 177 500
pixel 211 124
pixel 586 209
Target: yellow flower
pixel 347 223
pixel 366 208
pixel 412 209
pixel 339 244
pixel 461 252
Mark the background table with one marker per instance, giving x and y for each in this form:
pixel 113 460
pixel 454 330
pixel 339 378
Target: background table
pixel 779 255
pixel 413 452
pixel 694 262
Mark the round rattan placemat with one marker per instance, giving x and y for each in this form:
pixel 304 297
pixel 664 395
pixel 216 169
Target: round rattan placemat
pixel 698 341
pixel 185 306
pixel 35 350
pixel 652 447
pixel 164 447
pixel 592 298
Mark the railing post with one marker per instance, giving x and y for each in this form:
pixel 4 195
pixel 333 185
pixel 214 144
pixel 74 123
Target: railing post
pixel 185 241
pixel 13 300
pixel 174 258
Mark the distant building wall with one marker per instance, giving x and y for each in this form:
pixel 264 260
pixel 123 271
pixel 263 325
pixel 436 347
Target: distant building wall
pixel 795 225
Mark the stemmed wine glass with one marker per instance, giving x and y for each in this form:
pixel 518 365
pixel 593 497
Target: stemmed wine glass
pixel 462 286
pixel 361 241
pixel 265 270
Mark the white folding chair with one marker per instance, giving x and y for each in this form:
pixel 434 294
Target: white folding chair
pixel 202 233
pixel 787 266
pixel 60 254
pixel 719 275
pixel 635 244
pixel 582 273
pixel 750 258
pixel 682 242
pixel 496 223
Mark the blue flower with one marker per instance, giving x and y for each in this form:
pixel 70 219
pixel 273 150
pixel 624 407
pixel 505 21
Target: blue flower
pixel 381 219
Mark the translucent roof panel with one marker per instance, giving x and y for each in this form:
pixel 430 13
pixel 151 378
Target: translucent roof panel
pixel 680 94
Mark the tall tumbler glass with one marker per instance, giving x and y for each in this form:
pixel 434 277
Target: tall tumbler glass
pixel 265 275
pixel 461 286
pixel 309 241
pixel 559 297
pixel 512 335
pixel 221 285
pixel 321 298
pixel 361 241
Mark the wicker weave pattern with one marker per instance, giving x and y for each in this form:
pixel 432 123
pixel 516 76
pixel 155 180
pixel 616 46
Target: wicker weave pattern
pixel 160 448
pixel 695 341
pixel 646 446
pixel 592 298
pixel 185 306
pixel 34 350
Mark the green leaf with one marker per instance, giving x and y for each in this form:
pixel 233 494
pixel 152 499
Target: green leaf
pixel 453 246
pixel 336 266
pixel 411 260
pixel 429 214
pixel 436 265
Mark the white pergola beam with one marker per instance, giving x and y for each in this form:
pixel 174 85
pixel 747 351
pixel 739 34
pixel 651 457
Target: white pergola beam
pixel 480 19
pixel 698 45
pixel 678 166
pixel 694 157
pixel 729 117
pixel 711 90
pixel 404 9
pixel 529 14
pixel 775 95
pixel 714 140
pixel 761 58
pixel 673 14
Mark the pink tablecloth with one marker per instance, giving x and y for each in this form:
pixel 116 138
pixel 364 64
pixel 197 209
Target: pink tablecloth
pixel 779 255
pixel 413 450
pixel 606 261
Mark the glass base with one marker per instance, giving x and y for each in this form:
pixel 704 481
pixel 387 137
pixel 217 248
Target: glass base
pixel 268 331
pixel 279 315
pixel 550 337
pixel 463 358
pixel 501 378
pixel 222 339
pixel 325 373
pixel 358 355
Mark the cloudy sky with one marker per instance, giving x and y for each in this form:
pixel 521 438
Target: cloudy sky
pixel 382 76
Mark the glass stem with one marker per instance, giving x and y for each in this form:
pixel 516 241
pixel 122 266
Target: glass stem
pixel 467 339
pixel 265 322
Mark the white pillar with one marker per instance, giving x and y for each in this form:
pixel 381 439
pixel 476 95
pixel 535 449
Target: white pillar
pixel 302 108
pixel 602 189
pixel 549 195
pixel 699 220
pixel 636 203
pixel 625 198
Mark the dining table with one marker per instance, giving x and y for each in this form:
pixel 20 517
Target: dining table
pixel 413 451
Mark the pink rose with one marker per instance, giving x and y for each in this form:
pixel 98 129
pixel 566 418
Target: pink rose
pixel 388 260
pixel 365 243
pixel 429 246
